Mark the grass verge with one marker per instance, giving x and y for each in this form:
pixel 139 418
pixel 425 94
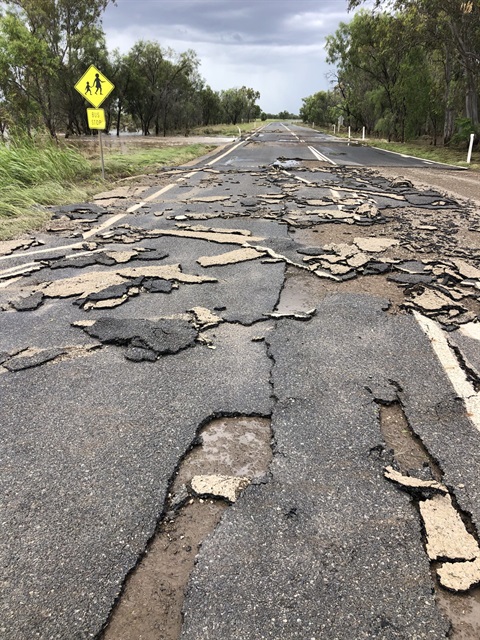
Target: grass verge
pixel 35 174
pixel 456 157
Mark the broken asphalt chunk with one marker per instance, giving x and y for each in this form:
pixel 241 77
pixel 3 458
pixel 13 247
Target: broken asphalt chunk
pixel 375 245
pixel 414 485
pixel 30 303
pixel 447 537
pixel 79 262
pixel 77 211
pixel 162 336
pixel 226 487
pixel 430 300
pixel 460 576
pixel 157 285
pixel 410 278
pixel 88 283
pixel 26 361
pixel 9 246
pixel 204 318
pixel 231 257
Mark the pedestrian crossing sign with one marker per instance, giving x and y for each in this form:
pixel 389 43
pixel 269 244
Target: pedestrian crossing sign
pixel 94 86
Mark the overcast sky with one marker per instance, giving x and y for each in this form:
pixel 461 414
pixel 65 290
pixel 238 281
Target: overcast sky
pixel 274 46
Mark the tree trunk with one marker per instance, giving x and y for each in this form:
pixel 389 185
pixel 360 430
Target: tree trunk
pixel 471 97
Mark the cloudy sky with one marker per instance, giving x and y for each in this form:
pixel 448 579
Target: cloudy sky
pixel 274 46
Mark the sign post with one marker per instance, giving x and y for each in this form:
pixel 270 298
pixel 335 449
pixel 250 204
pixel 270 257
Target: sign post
pixel 95 87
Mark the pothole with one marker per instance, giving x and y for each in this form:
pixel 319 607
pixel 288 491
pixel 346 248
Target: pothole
pixel 422 477
pixel 303 290
pixel 408 450
pixel 232 452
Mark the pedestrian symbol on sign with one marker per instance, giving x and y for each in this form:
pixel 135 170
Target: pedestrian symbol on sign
pixel 98 83
pixel 94 86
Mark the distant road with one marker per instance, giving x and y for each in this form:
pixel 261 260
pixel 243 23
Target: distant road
pixel 307 144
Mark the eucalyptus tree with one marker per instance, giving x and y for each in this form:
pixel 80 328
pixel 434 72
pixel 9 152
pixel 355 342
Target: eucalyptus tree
pixel 43 46
pixel 319 108
pixel 239 104
pixel 382 73
pixel 454 28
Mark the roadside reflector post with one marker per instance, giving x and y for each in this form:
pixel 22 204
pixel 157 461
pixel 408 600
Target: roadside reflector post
pixel 349 133
pixel 334 129
pixel 470 148
pixel 363 133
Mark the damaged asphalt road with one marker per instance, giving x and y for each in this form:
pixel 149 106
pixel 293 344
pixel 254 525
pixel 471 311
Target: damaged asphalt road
pixel 262 283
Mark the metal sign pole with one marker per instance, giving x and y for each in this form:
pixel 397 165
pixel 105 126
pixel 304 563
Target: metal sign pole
pixel 101 154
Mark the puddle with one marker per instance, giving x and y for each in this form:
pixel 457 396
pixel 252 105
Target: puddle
pixel 296 296
pixel 150 606
pixel 302 290
pixel 461 609
pixel 408 449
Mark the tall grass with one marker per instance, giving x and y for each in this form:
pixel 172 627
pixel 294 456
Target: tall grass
pixel 38 173
pixel 120 165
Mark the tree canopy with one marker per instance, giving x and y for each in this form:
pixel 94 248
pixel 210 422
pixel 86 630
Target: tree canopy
pixel 46 46
pixel 409 68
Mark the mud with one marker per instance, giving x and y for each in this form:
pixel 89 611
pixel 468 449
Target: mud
pixel 302 290
pixel 150 606
pixel 462 609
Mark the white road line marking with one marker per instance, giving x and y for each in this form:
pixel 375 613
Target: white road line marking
pixel 463 388
pixel 215 160
pixel 11 271
pixel 39 251
pixel 402 155
pixel 105 225
pixel 291 132
pixel 7 283
pixel 290 175
pixel 322 157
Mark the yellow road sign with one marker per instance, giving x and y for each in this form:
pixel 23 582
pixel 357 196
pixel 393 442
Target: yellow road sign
pixel 94 86
pixel 96 119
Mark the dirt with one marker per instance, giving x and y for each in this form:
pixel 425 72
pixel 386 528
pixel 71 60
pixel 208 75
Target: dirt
pixel 461 609
pixel 408 450
pixel 459 184
pixel 303 290
pixel 150 605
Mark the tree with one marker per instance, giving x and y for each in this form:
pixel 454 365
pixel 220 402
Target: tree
pixel 319 108
pixel 382 73
pixel 239 104
pixel 454 26
pixel 42 47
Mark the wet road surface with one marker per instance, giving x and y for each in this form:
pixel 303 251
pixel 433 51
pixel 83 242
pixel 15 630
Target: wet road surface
pixel 268 284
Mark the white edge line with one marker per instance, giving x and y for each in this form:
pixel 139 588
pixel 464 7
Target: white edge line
pixel 402 155
pixel 215 160
pixel 449 362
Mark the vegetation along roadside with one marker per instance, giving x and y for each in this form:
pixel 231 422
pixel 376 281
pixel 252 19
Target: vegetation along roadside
pixel 38 173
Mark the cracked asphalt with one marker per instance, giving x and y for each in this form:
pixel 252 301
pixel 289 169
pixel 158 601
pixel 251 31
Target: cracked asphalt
pixel 268 281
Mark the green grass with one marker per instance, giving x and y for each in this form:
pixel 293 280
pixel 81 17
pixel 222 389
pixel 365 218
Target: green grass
pixel 120 165
pixel 447 155
pixel 35 174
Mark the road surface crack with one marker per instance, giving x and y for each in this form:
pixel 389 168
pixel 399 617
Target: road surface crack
pixel 227 454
